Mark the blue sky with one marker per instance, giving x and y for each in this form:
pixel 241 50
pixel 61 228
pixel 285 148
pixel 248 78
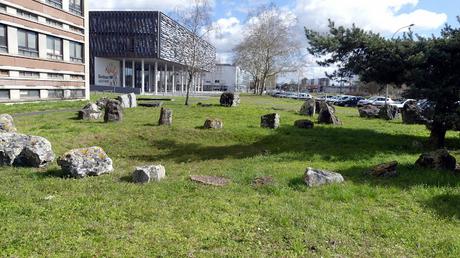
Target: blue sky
pixel 384 16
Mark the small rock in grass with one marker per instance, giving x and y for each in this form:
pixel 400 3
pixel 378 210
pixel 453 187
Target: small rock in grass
pixel 327 114
pixel 229 99
pixel 316 177
pixel 270 121
pixel 132 100
pixel 7 124
pixel 439 159
pixel 84 162
pixel 113 111
pixel 304 124
pixel 124 101
pixel 213 124
pixel 211 180
pixel 24 150
pixel 90 112
pixel 384 170
pixel 166 116
pixel 146 174
pixel 262 181
pixel 308 108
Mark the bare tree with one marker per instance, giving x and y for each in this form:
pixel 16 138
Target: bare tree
pixel 191 46
pixel 270 46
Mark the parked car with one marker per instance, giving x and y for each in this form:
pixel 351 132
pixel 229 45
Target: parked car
pixel 381 101
pixel 325 97
pixel 400 104
pixel 342 99
pixel 291 95
pixel 368 101
pixel 350 102
pixel 333 99
pixel 304 96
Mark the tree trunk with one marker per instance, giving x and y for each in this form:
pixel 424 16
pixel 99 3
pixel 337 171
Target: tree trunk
pixel 188 89
pixel 438 135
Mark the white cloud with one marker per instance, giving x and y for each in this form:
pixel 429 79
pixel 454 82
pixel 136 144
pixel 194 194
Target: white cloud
pixel 382 15
pixel 228 33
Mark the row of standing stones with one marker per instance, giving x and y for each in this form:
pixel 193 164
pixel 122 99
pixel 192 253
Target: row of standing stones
pixel 33 151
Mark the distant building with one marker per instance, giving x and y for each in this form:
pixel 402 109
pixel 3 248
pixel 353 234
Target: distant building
pixel 43 50
pixel 138 51
pixel 226 77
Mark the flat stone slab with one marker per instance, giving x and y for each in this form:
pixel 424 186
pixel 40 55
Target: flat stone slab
pixel 211 180
pixel 262 181
pixel 151 104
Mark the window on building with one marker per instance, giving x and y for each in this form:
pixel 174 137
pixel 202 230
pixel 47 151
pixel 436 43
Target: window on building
pixel 74 94
pixel 4 73
pixel 29 94
pixel 2 8
pixel 54 23
pixel 76 52
pixel 75 7
pixel 55 94
pixel 27 15
pixel 77 30
pixel 54 48
pixel 28 43
pixel 4 94
pixel 3 39
pixel 55 3
pixel 56 76
pixel 27 74
pixel 77 77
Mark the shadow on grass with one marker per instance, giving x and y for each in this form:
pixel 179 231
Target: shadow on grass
pixel 446 206
pixel 127 179
pixel 52 173
pixel 408 176
pixel 330 143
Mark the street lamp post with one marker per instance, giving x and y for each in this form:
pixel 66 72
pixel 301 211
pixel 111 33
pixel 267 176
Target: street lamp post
pixel 392 37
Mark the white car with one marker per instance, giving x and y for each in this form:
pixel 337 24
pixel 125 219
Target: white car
pixel 368 101
pixel 401 105
pixel 304 96
pixel 381 101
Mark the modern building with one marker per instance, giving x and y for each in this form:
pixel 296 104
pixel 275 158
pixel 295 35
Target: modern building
pixel 226 77
pixel 43 50
pixel 142 52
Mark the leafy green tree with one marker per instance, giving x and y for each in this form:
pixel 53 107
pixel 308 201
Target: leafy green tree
pixel 430 67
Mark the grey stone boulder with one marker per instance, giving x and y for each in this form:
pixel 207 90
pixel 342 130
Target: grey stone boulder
pixel 229 99
pixel 132 100
pixel 384 170
pixel 304 124
pixel 7 124
pixel 24 150
pixel 113 111
pixel 124 101
pixel 146 174
pixel 388 112
pixel 90 112
pixel 308 108
pixel 439 159
pixel 412 114
pixel 102 102
pixel 327 114
pixel 271 121
pixel 213 123
pixel 166 116
pixel 369 111
pixel 84 162
pixel 316 177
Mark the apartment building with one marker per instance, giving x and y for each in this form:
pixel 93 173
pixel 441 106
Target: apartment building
pixel 43 50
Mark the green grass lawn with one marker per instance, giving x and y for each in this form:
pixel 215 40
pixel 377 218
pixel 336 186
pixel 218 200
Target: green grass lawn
pixel 415 214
